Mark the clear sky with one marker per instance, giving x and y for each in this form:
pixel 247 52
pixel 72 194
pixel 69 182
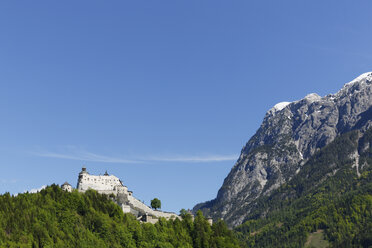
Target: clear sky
pixel 162 94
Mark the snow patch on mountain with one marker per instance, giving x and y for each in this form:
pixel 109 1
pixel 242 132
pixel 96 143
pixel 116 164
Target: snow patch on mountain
pixel 279 106
pixel 313 97
pixel 364 77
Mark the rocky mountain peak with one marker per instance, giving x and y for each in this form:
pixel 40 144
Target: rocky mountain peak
pixel 313 97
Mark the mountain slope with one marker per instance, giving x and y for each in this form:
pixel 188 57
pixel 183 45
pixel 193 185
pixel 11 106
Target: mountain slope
pixel 290 134
pixel 327 196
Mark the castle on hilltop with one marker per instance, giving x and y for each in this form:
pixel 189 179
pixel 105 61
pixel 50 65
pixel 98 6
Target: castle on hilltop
pixel 111 185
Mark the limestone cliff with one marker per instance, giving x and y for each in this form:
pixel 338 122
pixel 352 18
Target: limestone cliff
pixel 288 136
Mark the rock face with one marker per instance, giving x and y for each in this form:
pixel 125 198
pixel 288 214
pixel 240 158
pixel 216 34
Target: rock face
pixel 288 136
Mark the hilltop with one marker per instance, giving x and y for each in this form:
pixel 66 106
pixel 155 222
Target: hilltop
pixel 56 218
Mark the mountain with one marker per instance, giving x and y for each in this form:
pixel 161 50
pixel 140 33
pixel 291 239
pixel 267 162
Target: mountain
pixel 291 134
pixel 327 204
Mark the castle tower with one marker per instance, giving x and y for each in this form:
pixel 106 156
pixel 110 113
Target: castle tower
pixel 82 173
pixel 66 186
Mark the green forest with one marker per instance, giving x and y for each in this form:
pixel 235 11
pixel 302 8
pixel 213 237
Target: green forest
pixel 56 218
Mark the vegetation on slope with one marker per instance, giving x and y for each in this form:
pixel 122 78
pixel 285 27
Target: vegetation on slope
pixel 326 196
pixel 55 218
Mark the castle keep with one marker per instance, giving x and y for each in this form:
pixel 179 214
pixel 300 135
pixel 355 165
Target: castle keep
pixel 106 184
pixel 111 185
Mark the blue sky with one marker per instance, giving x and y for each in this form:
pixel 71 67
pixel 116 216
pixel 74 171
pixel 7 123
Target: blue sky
pixel 162 94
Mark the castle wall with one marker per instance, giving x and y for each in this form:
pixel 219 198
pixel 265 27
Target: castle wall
pixel 166 215
pixel 138 204
pixel 142 208
pixel 104 184
pixel 128 209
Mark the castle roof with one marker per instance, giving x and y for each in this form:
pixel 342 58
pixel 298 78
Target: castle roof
pixel 66 183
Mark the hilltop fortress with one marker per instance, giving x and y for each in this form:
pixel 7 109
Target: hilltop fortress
pixel 113 186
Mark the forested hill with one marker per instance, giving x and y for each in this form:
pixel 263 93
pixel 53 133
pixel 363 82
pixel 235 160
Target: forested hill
pixel 55 218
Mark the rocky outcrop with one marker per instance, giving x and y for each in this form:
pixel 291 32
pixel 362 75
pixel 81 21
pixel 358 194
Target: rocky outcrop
pixel 288 136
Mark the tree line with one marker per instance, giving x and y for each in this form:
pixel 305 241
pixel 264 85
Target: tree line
pixel 56 218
